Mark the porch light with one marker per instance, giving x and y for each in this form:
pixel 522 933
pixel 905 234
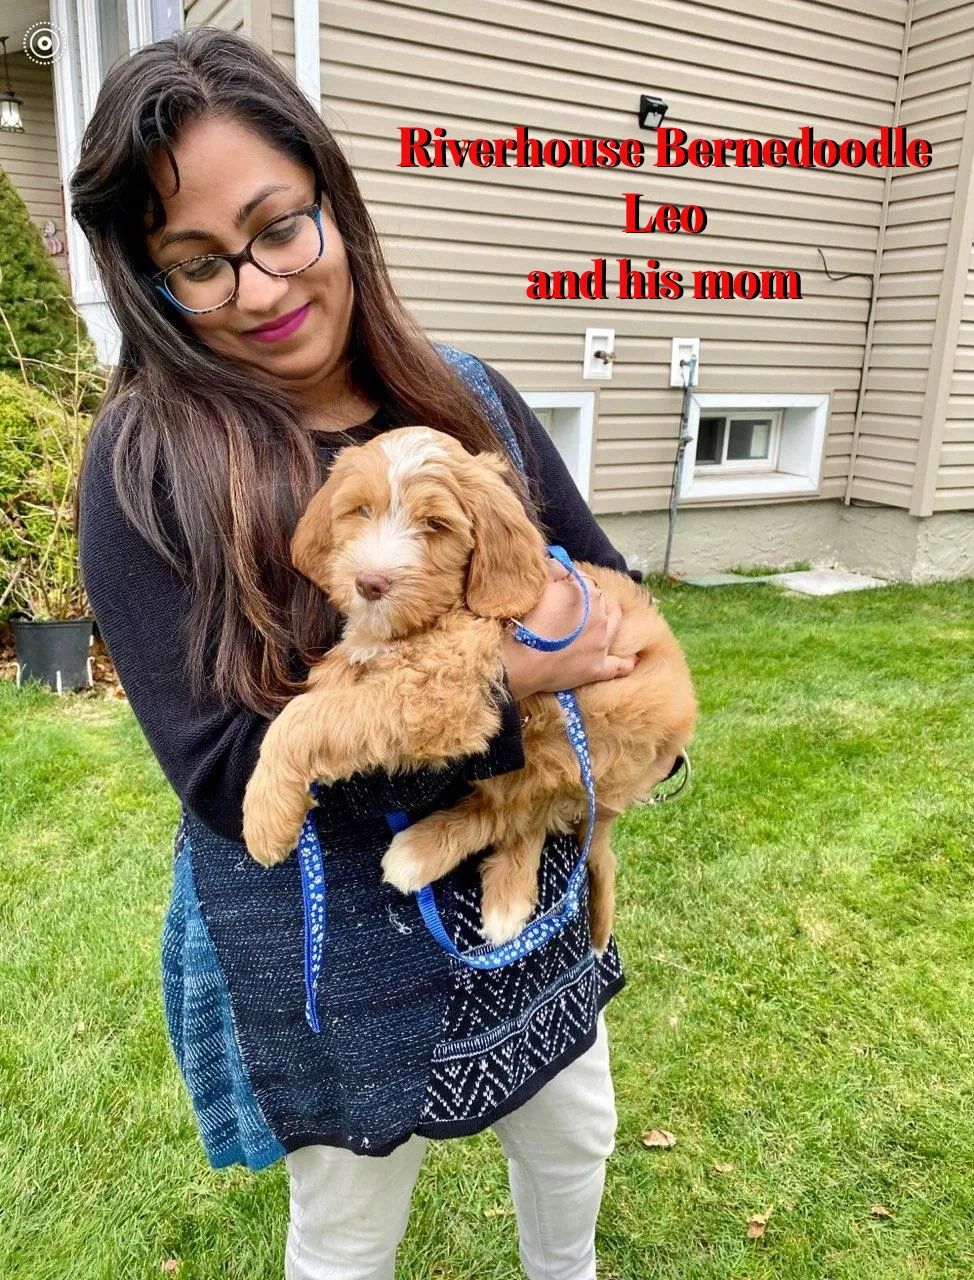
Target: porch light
pixel 651 111
pixel 9 102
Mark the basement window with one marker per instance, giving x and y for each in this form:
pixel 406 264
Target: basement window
pixel 741 441
pixel 754 446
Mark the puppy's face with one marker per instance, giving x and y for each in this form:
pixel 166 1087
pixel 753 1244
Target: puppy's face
pixel 410 526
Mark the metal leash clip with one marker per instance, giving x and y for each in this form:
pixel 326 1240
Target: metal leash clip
pixel 682 762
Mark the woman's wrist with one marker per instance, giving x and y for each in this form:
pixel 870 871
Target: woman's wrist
pixel 518 668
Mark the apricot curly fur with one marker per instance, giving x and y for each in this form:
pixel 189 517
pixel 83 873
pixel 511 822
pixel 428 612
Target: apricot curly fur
pixel 414 679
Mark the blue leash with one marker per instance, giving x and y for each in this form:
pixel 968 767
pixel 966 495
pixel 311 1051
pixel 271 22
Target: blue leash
pixel 535 934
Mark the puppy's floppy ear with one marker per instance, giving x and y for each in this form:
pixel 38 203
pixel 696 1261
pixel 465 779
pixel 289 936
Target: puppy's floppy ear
pixel 507 565
pixel 311 540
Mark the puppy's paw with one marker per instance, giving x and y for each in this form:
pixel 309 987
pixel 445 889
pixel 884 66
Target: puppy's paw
pixel 601 901
pixel 264 850
pixel 404 865
pixel 504 921
pixel 600 929
pixel 270 836
pixel 273 814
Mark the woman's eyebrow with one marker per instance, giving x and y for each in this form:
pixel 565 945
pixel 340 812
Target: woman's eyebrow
pixel 243 213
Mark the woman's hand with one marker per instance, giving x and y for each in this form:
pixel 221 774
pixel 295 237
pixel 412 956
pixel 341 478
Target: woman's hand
pixel 558 612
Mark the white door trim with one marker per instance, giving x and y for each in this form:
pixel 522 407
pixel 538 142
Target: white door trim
pixel 307 50
pixel 77 80
pixel 70 94
pixel 139 14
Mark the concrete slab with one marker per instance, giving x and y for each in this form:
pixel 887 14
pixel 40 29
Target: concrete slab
pixel 720 580
pixel 825 582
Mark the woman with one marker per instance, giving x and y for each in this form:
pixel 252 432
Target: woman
pixel 218 426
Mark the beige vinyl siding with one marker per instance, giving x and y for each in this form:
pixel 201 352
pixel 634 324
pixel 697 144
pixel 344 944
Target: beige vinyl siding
pixel 955 476
pixel 30 159
pixel 282 33
pixel 460 242
pixel 903 402
pixel 251 18
pixel 228 14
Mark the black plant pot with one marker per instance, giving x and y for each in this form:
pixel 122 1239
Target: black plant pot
pixel 55 652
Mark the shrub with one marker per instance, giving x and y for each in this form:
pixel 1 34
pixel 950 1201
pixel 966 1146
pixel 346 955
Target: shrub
pixel 41 446
pixel 44 333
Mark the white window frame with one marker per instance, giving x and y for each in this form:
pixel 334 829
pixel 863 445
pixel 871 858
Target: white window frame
pixel 574 436
pixel 770 463
pixel 800 450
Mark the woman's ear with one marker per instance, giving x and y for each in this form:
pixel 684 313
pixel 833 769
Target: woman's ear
pixel 311 540
pixel 507 571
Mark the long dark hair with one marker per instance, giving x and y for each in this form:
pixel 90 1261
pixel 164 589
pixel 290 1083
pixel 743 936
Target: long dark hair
pixel 230 451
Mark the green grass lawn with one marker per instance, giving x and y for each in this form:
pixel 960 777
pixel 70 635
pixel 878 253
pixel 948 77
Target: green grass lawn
pixel 799 939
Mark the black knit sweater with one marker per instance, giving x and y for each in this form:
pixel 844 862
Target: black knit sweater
pixel 206 752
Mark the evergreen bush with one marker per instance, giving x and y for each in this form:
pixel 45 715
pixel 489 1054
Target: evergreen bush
pixel 41 446
pixel 43 328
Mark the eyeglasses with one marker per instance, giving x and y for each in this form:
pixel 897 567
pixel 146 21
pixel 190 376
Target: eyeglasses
pixel 283 247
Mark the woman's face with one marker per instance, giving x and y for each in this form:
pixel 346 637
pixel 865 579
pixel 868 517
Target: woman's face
pixel 222 167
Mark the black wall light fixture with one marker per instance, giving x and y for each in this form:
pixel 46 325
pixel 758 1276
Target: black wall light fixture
pixel 10 104
pixel 651 111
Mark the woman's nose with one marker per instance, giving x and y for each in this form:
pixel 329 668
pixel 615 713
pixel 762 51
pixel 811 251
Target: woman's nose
pixel 257 290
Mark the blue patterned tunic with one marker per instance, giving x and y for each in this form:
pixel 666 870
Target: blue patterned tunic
pixel 411 1040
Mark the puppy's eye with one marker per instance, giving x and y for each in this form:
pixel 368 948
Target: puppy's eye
pixel 433 525
pixel 362 511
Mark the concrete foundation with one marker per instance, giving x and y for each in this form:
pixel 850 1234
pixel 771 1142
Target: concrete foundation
pixel 881 541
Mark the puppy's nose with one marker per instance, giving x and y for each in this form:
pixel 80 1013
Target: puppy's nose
pixel 372 585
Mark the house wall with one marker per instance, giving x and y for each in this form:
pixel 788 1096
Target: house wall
pixel 30 159
pixel 461 241
pixel 885 542
pixel 214 13
pixel 955 475
pixel 911 371
pixel 250 17
pixel 282 33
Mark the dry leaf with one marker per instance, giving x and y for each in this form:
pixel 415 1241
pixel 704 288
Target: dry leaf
pixel 498 1211
pixel 79 1028
pixel 880 1211
pixel 757 1224
pixel 171 1264
pixel 659 1138
pixel 722 1168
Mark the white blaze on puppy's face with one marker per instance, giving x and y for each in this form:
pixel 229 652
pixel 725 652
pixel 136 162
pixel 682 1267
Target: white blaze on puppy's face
pixel 408 453
pixel 392 544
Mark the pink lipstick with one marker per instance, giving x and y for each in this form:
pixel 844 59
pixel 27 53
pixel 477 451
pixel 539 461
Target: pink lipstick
pixel 282 328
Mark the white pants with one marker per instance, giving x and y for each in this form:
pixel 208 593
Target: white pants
pixel 349 1212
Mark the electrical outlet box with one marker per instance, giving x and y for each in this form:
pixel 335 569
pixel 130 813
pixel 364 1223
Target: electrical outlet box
pixel 594 365
pixel 683 349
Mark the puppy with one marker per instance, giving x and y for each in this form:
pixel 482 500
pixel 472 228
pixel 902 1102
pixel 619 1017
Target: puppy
pixel 426 550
